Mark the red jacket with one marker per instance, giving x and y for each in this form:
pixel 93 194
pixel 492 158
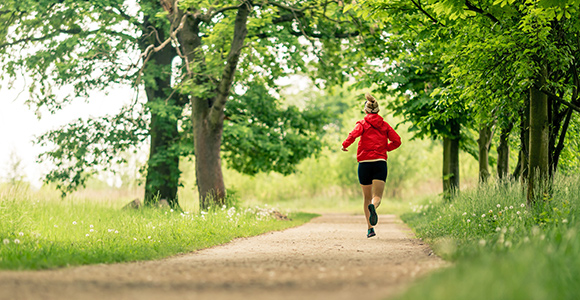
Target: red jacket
pixel 377 137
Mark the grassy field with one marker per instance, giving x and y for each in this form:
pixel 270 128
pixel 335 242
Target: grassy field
pixel 501 248
pixel 41 233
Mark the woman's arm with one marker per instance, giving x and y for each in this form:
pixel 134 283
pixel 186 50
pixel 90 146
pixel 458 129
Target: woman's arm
pixel 356 132
pixel 394 139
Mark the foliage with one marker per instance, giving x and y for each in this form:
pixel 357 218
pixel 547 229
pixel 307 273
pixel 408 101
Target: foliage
pixel 85 145
pixel 494 237
pixel 261 136
pixel 51 233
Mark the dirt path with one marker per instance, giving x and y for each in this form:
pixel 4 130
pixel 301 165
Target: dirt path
pixel 328 258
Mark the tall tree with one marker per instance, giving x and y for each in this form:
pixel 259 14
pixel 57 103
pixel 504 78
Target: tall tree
pixel 215 40
pixel 82 44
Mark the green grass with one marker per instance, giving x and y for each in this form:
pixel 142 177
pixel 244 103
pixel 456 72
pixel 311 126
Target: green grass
pixel 38 233
pixel 505 252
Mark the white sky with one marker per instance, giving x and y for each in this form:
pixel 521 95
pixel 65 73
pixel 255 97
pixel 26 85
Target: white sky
pixel 19 125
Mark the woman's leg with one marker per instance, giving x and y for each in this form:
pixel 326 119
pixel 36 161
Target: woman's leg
pixel 367 195
pixel 378 187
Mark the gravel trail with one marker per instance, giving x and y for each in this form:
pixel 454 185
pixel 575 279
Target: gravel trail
pixel 327 258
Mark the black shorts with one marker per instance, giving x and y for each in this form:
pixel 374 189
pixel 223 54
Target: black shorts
pixel 374 170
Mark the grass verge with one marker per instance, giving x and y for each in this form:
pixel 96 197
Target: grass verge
pixel 501 248
pixel 50 234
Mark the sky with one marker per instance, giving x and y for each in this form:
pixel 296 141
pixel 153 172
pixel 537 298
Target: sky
pixel 19 125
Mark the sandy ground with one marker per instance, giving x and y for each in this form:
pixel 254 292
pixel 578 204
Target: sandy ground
pixel 328 258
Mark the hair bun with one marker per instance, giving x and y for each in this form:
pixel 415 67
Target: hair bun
pixel 370 98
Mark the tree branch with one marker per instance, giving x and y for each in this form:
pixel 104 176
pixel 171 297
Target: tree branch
pixel 223 91
pixel 420 7
pixel 571 105
pixel 65 31
pixel 288 8
pixel 476 9
pixel 212 13
pixel 151 48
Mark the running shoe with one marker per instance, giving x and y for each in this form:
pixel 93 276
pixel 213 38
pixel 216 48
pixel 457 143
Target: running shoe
pixel 373 219
pixel 371 233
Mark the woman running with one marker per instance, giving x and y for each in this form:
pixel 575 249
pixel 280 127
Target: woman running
pixel 377 137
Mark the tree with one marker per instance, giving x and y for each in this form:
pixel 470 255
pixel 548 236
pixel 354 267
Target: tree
pixel 81 44
pixel 216 41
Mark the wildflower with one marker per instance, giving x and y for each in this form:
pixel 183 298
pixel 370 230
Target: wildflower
pixel 171 210
pixel 479 225
pixel 473 215
pixel 463 214
pixel 149 237
pixel 565 221
pixel 91 230
pixel 110 230
pixel 153 227
pixel 91 226
pixel 505 208
pixel 497 229
pixel 525 211
pixel 87 234
pixel 483 216
pixel 518 212
pixel 498 206
pixel 468 220
pixel 74 222
pixel 116 231
pixel 450 206
pixel 508 244
pixel 16 241
pixel 482 242
pixel 21 233
pixel 522 205
pixel 490 211
pixel 135 238
pixel 511 207
pixel 204 212
pixel 55 226
pixel 6 241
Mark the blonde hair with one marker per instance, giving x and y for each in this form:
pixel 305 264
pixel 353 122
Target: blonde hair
pixel 371 105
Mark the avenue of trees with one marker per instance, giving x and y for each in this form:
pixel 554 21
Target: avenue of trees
pixel 473 73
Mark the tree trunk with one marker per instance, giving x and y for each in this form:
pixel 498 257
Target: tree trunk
pixel 484 140
pixel 560 146
pixel 539 139
pixel 163 171
pixel 521 170
pixel 451 160
pixel 503 153
pixel 208 168
pixel 208 107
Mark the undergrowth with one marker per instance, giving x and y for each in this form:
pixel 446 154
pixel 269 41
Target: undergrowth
pixel 502 248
